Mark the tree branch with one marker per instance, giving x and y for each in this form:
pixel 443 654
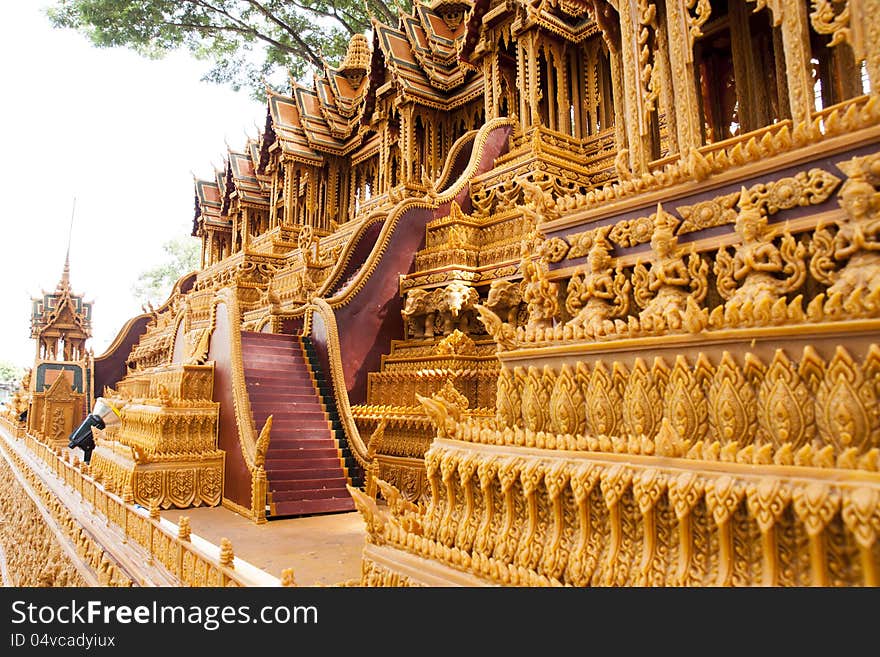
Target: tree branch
pixel 334 15
pixel 308 53
pixel 304 49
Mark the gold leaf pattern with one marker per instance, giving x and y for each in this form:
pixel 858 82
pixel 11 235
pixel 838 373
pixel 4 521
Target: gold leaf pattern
pixel 785 404
pixel 685 406
pixel 861 513
pixel 732 406
pixel 642 405
pixel 604 402
pixel 846 405
pixel 567 409
pixel 815 504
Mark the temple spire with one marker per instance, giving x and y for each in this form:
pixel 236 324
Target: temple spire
pixel 64 284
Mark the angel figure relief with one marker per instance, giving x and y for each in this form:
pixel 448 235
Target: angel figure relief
pixel 539 293
pixel 849 262
pixel 595 296
pixel 663 290
pixel 759 273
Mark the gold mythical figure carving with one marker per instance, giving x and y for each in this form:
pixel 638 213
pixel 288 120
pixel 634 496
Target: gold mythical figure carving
pixel 663 291
pixel 504 299
pixel 595 296
pixel 855 247
pixel 539 293
pixel 759 273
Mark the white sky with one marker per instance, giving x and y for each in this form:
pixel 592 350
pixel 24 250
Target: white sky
pixel 122 135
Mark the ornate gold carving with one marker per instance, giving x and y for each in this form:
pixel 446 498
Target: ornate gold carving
pixel 642 406
pixel 502 333
pixel 595 297
pixel 847 406
pixel 686 405
pixel 755 278
pixel 536 399
pixel 855 288
pixel 785 407
pixel 504 300
pixel 567 411
pixel 663 291
pixel 732 405
pixel 538 292
pixel 605 407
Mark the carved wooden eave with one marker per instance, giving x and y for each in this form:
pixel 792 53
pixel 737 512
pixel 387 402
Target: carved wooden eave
pixel 569 19
pixel 286 125
pixel 341 127
pixel 246 186
pixel 474 29
pixel 208 206
pixel 413 83
pixel 61 310
pixel 368 149
pixel 253 149
pixel 226 185
pixel 317 131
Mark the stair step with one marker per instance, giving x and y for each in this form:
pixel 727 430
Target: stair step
pixel 300 464
pixel 256 336
pixel 302 456
pixel 306 507
pixel 276 376
pixel 290 413
pixel 310 494
pixel 287 359
pixel 292 393
pixel 269 347
pixel 292 409
pixel 283 414
pixel 293 450
pixel 290 485
pixel 280 426
pixel 291 385
pixel 301 403
pixel 260 419
pixel 278 478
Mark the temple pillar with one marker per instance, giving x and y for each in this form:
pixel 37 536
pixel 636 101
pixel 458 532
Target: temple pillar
pixel 684 84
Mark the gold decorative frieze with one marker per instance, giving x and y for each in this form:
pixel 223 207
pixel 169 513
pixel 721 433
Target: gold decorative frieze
pixel 581 519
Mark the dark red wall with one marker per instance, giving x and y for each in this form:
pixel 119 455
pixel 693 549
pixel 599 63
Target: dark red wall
pixel 237 478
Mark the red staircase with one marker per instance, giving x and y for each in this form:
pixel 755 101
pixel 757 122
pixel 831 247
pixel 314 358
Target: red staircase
pixel 304 464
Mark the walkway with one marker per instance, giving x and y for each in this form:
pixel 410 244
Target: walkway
pixel 323 550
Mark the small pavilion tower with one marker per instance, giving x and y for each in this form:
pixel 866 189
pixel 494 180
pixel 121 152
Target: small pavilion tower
pixel 60 381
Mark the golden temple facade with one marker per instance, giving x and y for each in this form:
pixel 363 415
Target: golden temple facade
pixel 566 292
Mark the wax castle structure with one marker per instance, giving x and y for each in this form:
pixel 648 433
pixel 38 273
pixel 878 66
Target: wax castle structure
pixel 580 292
pixel 59 383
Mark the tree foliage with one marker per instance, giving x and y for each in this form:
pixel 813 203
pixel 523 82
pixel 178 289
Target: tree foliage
pixel 248 41
pixel 10 373
pixel 154 285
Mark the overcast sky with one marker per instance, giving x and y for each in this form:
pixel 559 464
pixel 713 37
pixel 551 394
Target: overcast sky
pixel 122 135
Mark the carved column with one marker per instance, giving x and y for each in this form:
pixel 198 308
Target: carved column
pixel 664 77
pixel 681 29
pixel 522 78
pixel 722 499
pixel 767 501
pixel 815 505
pixel 796 44
pixel 289 194
pixel 685 491
pixel 534 80
pixel 635 119
pixel 861 513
